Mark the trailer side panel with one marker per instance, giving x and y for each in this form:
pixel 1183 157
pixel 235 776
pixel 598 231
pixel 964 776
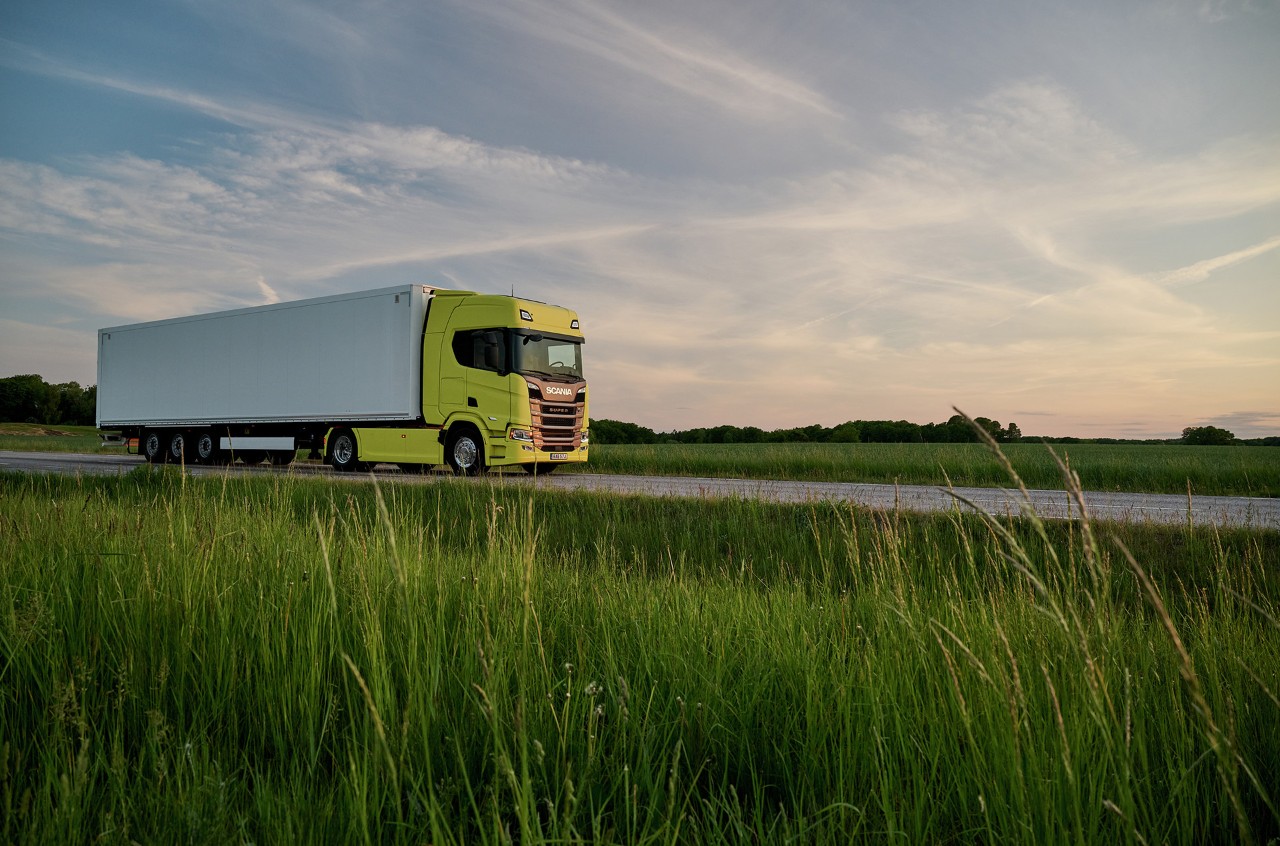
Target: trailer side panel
pixel 352 357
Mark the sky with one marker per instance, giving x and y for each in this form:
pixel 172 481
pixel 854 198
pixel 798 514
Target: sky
pixel 774 214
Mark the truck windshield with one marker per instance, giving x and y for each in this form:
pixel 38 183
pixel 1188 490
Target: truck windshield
pixel 554 357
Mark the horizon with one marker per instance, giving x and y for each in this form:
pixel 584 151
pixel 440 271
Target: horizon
pixel 1067 218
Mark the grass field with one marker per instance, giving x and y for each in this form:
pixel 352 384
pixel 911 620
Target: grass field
pixel 33 437
pixel 280 659
pixel 1238 471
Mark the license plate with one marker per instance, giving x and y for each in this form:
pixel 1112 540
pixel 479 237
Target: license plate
pixel 559 456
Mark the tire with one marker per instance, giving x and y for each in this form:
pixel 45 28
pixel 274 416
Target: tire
pixel 152 445
pixel 251 456
pixel 465 452
pixel 176 451
pixel 344 452
pixel 538 469
pixel 206 449
pixel 282 457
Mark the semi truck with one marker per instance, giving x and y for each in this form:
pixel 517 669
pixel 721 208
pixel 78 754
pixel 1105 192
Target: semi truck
pixel 412 375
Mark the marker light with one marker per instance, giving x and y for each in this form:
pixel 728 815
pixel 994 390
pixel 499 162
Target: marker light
pixel 524 315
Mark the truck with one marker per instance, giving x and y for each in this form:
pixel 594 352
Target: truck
pixel 411 375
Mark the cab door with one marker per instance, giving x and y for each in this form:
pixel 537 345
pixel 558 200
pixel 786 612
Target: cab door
pixel 489 384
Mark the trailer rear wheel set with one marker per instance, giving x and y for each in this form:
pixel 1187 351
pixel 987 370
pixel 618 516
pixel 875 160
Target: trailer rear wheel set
pixel 183 446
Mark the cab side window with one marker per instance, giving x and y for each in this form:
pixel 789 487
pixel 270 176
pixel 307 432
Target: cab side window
pixel 482 349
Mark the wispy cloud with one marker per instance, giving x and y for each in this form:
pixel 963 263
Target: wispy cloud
pixel 1202 270
pixel 696 66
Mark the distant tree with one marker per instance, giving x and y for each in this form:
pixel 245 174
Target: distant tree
pixel 29 399
pixel 23 399
pixel 605 431
pixel 889 432
pixel 1010 434
pixel 991 427
pixel 956 430
pixel 1207 436
pixel 845 433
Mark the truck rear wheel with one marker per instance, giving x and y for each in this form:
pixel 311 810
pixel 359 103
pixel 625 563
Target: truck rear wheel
pixel 344 452
pixel 152 446
pixel 465 452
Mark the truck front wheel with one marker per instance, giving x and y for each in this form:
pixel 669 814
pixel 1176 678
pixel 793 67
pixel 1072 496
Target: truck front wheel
pixel 465 452
pixel 344 452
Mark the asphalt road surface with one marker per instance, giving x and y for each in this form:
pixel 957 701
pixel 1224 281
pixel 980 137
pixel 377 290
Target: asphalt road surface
pixel 1255 512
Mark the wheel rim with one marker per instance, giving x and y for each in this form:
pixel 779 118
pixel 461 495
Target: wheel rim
pixel 343 450
pixel 465 453
pixel 153 445
pixel 204 447
pixel 177 447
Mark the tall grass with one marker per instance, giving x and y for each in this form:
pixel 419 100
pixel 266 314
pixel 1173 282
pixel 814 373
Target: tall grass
pixel 1240 471
pixel 283 660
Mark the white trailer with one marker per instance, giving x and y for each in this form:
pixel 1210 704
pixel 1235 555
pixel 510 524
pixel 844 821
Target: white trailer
pixel 258 376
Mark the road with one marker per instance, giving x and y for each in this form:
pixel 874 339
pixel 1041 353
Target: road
pixel 1254 512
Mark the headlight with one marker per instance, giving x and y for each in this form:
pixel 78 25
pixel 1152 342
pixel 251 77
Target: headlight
pixel 586 437
pixel 521 435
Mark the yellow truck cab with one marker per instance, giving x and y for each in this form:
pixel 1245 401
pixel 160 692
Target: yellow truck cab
pixel 502 384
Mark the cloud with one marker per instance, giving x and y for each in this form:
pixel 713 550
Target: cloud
pixel 1201 270
pixel 694 65
pixel 1245 424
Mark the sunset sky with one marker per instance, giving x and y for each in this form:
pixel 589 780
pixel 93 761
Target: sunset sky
pixel 1065 215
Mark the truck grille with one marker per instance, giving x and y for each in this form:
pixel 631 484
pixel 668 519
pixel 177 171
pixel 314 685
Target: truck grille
pixel 557 426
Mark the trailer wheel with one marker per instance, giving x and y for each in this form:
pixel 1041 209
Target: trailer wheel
pixel 465 452
pixel 344 452
pixel 152 446
pixel 207 451
pixel 177 451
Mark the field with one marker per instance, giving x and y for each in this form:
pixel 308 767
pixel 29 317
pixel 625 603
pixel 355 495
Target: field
pixel 34 437
pixel 1228 470
pixel 279 659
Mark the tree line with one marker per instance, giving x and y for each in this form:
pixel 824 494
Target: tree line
pixel 30 399
pixel 956 430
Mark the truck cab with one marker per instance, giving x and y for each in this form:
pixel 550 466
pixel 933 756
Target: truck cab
pixel 502 385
